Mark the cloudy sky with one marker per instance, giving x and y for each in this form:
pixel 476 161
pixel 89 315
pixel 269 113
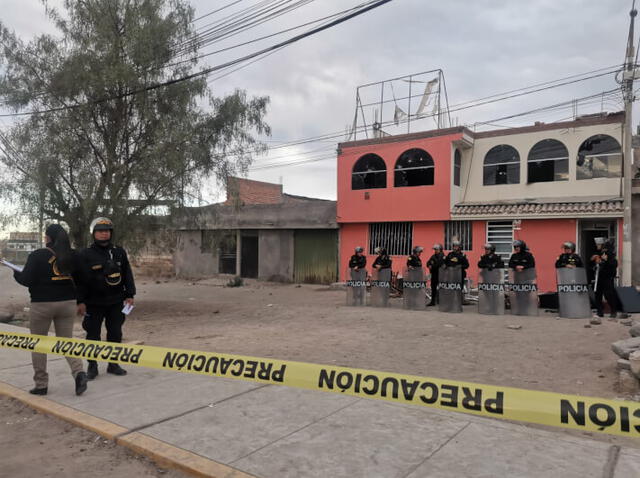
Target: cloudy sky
pixel 484 47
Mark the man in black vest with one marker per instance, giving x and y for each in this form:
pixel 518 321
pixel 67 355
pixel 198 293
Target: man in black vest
pixel 109 287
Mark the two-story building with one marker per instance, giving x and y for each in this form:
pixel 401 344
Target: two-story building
pixel 544 184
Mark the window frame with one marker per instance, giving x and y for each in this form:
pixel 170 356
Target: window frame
pixel 395 237
pixel 454 229
pixel 457 167
pixel 381 173
pixel 580 169
pixel 397 170
pixel 554 159
pixel 515 163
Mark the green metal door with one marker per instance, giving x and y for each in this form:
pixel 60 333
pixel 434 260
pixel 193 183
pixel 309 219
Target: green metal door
pixel 315 256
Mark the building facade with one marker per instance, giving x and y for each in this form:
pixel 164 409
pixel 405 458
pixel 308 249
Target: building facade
pixel 260 232
pixel 544 184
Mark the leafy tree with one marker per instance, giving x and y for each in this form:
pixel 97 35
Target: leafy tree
pixel 106 140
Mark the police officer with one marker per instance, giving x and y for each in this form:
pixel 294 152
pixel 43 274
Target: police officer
pixel 414 261
pixel 358 260
pixel 383 261
pixel 434 263
pixel 108 288
pixel 490 260
pixel 457 258
pixel 521 258
pixel 605 264
pixel 569 258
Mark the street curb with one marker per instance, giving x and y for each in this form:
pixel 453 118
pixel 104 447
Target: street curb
pixel 158 451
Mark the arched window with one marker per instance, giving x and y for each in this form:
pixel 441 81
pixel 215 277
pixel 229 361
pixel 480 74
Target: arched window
pixel 369 172
pixel 548 161
pixel 501 166
pixel 600 156
pixel 457 167
pixel 414 168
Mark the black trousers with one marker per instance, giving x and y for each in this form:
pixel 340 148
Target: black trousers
pixel 607 289
pixel 434 290
pixel 111 315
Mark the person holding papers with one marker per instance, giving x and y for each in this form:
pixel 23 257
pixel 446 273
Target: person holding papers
pixel 109 290
pixel 51 274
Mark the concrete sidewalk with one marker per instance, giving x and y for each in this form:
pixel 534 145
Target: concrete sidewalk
pixel 272 431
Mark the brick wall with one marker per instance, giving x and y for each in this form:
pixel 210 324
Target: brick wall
pixel 242 191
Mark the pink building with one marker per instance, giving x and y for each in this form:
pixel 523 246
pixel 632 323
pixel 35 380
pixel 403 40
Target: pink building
pixel 544 184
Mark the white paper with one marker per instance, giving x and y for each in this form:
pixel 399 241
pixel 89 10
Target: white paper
pixel 11 266
pixel 126 310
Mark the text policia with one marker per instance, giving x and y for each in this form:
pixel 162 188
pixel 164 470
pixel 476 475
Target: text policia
pixel 545 408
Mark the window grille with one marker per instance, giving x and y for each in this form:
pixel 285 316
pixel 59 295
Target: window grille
pixel 395 237
pixel 460 231
pixel 500 234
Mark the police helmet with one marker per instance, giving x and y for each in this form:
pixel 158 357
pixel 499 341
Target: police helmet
pixel 456 243
pixel 417 249
pixel 359 249
pixel 101 224
pixel 518 243
pixel 569 245
pixel 490 247
pixel 437 247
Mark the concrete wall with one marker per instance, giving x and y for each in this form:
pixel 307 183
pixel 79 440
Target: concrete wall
pixel 189 260
pixel 476 192
pixel 275 256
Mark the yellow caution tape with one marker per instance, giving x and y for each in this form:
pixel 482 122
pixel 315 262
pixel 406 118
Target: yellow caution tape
pixel 545 408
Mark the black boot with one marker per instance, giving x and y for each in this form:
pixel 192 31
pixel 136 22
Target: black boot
pixel 81 383
pixel 92 370
pixel 116 369
pixel 38 391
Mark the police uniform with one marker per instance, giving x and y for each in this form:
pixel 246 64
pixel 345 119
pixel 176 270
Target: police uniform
pixel 491 261
pixel 383 261
pixel 607 269
pixel 434 263
pixel 357 261
pixel 109 282
pixel 523 258
pixel 569 259
pixel 458 258
pixel 413 261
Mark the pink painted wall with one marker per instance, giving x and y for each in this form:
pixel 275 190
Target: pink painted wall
pixel 417 203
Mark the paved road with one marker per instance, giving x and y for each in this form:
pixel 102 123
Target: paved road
pixel 271 431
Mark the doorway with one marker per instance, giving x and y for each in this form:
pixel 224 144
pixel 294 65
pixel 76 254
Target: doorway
pixel 249 254
pixel 587 232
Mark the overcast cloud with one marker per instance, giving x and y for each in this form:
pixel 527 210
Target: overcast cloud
pixel 483 46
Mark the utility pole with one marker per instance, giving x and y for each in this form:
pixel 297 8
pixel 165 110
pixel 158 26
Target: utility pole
pixel 628 75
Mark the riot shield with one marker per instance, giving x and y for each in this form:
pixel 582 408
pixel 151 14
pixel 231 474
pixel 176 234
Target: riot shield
pixel 450 289
pixel 573 293
pixel 523 292
pixel 413 285
pixel 380 287
pixel 356 286
pixel 491 292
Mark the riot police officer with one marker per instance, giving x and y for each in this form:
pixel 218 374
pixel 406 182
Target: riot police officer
pixel 521 258
pixel 569 258
pixel 383 261
pixel 434 263
pixel 490 260
pixel 414 261
pixel 358 260
pixel 109 287
pixel 605 264
pixel 457 258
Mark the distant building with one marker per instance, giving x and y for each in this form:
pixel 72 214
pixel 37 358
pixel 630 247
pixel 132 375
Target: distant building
pixel 20 244
pixel 544 184
pixel 259 232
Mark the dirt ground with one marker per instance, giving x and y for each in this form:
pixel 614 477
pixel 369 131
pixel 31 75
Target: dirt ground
pixel 36 445
pixel 310 323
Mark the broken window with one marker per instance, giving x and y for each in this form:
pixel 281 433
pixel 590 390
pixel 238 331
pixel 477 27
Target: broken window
pixel 414 168
pixel 548 161
pixel 501 166
pixel 600 156
pixel 369 172
pixel 457 167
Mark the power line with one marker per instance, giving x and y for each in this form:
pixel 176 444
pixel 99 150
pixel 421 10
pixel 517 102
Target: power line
pixel 207 71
